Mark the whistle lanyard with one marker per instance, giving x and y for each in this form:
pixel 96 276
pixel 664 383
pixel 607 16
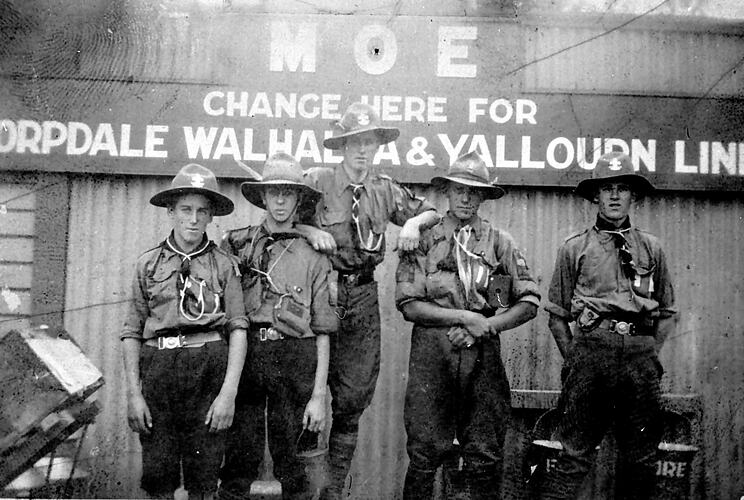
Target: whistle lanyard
pixel 368 244
pixel 186 281
pixel 267 274
pixel 463 256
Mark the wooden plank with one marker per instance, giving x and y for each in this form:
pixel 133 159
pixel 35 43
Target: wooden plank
pixel 16 275
pixel 17 249
pixel 16 196
pixel 14 223
pixel 13 302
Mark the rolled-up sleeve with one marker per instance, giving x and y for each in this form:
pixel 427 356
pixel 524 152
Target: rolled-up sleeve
pixel 524 286
pixel 323 319
pixel 410 278
pixel 234 306
pixel 137 307
pixel 562 285
pixel 664 292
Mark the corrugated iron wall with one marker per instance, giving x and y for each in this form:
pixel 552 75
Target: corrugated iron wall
pixel 111 223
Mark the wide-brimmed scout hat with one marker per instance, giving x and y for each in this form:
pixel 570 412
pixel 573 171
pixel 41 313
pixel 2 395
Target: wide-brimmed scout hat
pixel 471 170
pixel 280 169
pixel 194 178
pixel 614 167
pixel 359 118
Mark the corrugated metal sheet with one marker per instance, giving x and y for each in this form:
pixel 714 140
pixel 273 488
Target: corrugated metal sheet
pixel 111 222
pixel 643 60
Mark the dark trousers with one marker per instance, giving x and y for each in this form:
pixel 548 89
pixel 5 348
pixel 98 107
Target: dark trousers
pixel 609 381
pixel 354 366
pixel 179 386
pixel 455 393
pixel 277 383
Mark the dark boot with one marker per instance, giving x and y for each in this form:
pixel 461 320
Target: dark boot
pixel 341 448
pixel 419 484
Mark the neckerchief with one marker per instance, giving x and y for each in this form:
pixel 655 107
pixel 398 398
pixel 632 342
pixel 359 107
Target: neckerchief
pixel 621 243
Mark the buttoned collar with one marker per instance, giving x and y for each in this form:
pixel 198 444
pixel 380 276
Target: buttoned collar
pixel 342 180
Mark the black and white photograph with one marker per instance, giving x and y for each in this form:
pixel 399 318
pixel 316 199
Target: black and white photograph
pixel 391 249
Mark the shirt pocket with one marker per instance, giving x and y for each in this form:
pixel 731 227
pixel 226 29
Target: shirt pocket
pixel 162 288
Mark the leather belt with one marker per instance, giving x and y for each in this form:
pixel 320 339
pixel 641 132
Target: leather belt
pixel 179 341
pixel 622 328
pixel 356 279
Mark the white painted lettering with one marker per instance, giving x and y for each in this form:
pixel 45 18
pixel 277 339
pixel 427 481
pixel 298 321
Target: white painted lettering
pixel 479 145
pixel 208 106
pixel 447 51
pixel 73 130
pixel 152 141
pixel 679 160
pixel 53 134
pixel 453 152
pixel 248 154
pixel 720 156
pixel 280 146
pixel 9 131
pixel 29 136
pixel 199 143
pixel 526 153
pixel 307 146
pixel 292 49
pixel 227 145
pixel 125 149
pixel 641 153
pixel 375 49
pixel 526 110
pixel 566 151
pixel 104 140
pixel 240 105
pixel 501 161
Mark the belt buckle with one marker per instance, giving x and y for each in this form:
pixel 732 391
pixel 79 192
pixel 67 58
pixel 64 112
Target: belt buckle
pixel 623 328
pixel 270 333
pixel 170 342
pixel 350 279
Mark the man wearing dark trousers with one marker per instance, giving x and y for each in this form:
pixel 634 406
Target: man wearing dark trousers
pixel 612 282
pixel 466 284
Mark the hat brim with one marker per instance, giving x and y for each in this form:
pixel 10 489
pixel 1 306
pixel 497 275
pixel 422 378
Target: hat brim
pixel 490 191
pixel 386 134
pixel 252 190
pixel 221 204
pixel 641 186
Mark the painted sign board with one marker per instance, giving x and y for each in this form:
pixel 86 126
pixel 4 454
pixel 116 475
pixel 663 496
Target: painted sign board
pixel 229 88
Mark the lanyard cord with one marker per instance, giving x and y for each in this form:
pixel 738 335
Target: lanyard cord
pixel 464 266
pixel 355 204
pixel 267 273
pixel 187 282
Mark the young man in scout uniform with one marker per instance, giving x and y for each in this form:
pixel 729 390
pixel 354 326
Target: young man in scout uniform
pixel 612 282
pixel 182 375
pixel 352 217
pixel 465 284
pixel 287 292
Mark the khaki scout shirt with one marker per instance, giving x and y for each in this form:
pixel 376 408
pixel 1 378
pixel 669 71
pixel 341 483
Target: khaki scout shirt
pixel 588 272
pixel 421 276
pixel 297 272
pixel 383 200
pixel 154 309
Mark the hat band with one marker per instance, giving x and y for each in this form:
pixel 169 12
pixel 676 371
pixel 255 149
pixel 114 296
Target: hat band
pixel 468 177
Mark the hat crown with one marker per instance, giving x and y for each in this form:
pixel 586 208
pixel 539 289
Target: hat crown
pixel 470 166
pixel 282 167
pixel 194 175
pixel 358 116
pixel 613 164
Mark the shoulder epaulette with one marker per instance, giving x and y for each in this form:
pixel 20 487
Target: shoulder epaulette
pixel 156 247
pixel 584 231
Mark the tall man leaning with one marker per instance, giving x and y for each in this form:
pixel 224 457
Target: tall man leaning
pixel 350 221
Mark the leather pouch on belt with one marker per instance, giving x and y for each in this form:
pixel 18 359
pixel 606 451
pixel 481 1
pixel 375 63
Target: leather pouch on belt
pixel 291 317
pixel 587 319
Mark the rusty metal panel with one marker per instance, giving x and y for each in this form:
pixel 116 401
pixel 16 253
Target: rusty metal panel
pixel 644 60
pixel 111 222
